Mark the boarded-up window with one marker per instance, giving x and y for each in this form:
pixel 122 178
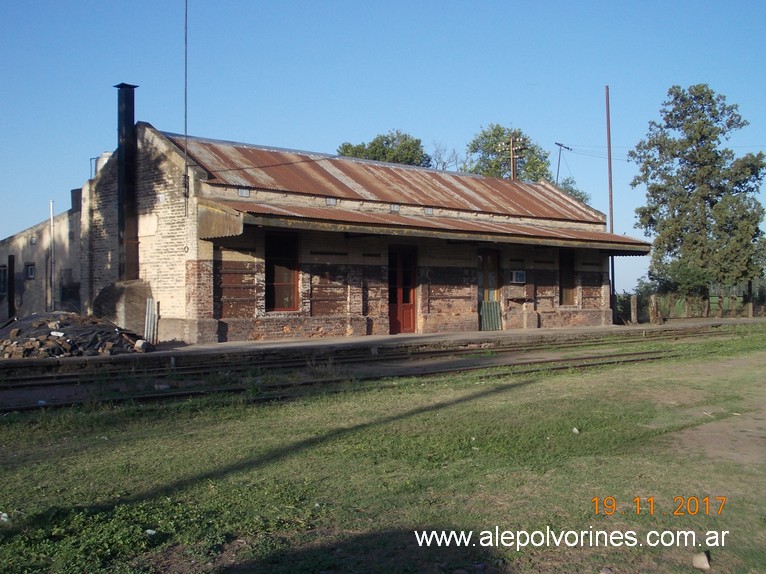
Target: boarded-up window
pixel 329 289
pixel 592 283
pixel 281 272
pixel 235 289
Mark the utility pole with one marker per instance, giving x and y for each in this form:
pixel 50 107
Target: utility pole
pixel 558 166
pixel 512 146
pixel 611 206
pixel 52 246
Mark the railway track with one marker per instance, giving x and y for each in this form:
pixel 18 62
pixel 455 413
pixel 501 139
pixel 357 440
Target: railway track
pixel 281 373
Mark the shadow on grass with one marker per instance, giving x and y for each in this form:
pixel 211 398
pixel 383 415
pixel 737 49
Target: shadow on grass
pixel 384 552
pixel 397 549
pixel 279 454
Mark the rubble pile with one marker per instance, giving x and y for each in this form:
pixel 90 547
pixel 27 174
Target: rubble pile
pixel 62 334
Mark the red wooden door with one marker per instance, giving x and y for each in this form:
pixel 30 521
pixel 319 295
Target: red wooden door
pixel 402 270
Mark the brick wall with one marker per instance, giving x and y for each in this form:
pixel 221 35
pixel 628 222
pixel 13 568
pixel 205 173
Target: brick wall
pixel 98 235
pixel 171 270
pixel 165 218
pixel 575 318
pixel 211 290
pixel 343 288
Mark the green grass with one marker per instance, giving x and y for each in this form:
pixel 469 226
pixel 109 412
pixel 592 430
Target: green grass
pixel 338 483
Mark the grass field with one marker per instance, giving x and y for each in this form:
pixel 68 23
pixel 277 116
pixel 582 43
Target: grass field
pixel 340 482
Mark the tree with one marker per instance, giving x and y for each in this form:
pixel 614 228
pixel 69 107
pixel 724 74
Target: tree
pixel 738 250
pixel 700 203
pixel 393 147
pixel 489 155
pixel 444 161
pixel 569 186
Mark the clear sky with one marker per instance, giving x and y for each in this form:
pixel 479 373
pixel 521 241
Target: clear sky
pixel 311 75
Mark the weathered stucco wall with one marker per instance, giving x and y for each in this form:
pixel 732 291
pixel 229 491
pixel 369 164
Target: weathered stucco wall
pixel 28 276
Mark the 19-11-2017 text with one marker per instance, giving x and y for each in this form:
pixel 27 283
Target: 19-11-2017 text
pixel 681 506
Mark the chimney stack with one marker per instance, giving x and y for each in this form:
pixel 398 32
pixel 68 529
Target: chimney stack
pixel 127 213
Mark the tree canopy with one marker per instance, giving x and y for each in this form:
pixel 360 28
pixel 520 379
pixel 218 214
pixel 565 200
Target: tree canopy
pixel 393 147
pixel 568 185
pixel 489 154
pixel 700 199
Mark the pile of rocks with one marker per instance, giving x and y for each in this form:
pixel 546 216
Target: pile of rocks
pixel 62 334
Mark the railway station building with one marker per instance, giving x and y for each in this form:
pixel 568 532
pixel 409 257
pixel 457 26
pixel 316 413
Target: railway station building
pixel 232 242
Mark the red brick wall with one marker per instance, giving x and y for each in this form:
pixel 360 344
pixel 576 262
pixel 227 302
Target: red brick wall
pixel 449 299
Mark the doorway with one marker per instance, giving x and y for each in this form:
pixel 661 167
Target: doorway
pixel 402 280
pixel 490 313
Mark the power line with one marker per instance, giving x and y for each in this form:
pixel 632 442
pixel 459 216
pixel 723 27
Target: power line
pixel 598 155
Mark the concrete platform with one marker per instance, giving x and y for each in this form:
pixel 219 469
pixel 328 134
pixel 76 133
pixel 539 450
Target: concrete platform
pixel 27 383
pixel 172 357
pixel 449 339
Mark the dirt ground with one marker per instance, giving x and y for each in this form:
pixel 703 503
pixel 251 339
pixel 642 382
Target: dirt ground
pixel 740 437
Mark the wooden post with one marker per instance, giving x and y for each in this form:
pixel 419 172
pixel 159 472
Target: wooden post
pixel 634 309
pixel 655 315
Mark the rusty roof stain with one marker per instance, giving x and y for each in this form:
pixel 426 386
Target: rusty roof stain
pixel 429 224
pixel 306 173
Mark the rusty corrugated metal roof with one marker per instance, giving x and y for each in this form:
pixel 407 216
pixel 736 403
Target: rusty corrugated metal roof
pixel 428 225
pixel 297 172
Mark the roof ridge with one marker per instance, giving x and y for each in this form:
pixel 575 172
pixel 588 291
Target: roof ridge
pixel 173 135
pixel 324 155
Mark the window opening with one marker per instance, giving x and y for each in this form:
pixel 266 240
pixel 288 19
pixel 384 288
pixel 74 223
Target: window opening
pixel 567 287
pixel 281 272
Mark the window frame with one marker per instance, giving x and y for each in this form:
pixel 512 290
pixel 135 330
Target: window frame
pixel 3 279
pixel 30 271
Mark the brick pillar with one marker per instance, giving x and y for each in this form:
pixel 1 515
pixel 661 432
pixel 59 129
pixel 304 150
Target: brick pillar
pixel 201 325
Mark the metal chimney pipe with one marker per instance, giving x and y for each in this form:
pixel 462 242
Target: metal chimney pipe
pixel 127 151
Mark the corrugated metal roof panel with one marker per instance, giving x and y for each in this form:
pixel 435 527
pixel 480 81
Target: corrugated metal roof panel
pixel 243 165
pixel 508 231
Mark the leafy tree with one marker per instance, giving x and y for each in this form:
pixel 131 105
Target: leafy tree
pixel 700 204
pixel 489 155
pixel 738 249
pixel 393 147
pixel 568 185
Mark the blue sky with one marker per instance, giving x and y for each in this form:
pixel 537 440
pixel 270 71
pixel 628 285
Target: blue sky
pixel 312 75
